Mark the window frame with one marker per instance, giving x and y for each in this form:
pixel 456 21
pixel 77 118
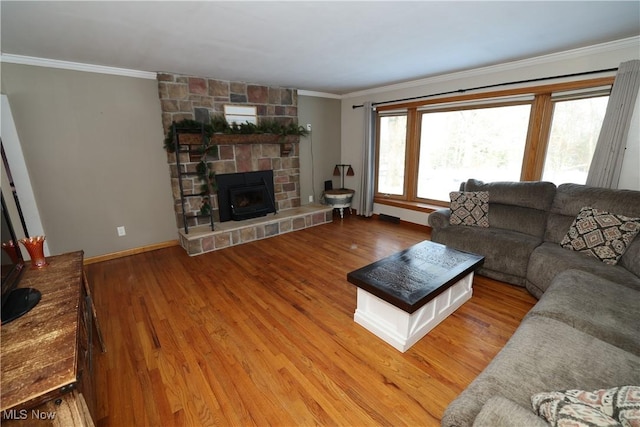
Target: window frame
pixel 559 97
pixel 536 143
pixel 379 117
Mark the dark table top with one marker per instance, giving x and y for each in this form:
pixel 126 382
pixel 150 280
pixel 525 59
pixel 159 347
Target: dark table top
pixel 413 277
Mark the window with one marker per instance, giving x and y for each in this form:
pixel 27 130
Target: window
pixel 572 141
pixel 488 141
pixel 426 149
pixel 392 143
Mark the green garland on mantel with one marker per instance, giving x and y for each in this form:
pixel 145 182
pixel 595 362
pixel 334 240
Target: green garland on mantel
pixel 169 143
pixel 219 125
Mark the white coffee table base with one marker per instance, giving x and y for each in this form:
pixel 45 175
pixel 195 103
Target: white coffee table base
pixel 401 329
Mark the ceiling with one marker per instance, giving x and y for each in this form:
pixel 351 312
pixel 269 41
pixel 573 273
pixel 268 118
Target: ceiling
pixel 333 46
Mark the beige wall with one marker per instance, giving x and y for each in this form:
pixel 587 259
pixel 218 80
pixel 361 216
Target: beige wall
pixel 93 148
pixel 92 144
pixel 324 116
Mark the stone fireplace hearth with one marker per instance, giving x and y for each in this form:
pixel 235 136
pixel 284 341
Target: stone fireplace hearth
pixel 231 233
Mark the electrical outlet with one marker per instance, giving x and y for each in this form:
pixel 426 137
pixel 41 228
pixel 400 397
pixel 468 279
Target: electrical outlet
pixel 310 199
pixel 121 231
pixel 309 127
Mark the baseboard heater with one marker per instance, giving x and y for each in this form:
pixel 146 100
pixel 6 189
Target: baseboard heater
pixel 389 218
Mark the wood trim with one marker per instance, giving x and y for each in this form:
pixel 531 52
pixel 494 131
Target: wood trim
pixel 414 206
pixel 412 154
pixel 532 90
pixel 266 138
pixel 129 252
pixel 537 138
pixel 474 106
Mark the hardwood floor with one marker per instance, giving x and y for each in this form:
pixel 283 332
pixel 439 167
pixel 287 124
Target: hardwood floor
pixel 263 334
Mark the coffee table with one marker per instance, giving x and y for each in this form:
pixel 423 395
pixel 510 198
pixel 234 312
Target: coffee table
pixel 402 297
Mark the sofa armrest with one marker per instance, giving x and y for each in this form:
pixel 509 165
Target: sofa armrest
pixel 499 411
pixel 439 218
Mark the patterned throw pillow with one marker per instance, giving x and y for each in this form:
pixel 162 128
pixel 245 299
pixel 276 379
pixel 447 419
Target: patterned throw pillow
pixel 601 234
pixel 618 406
pixel 469 208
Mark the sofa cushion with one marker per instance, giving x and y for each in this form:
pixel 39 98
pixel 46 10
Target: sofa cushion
pixel 469 208
pixel 605 407
pixel 631 258
pixel 601 234
pixel 549 259
pixel 505 251
pixel 517 206
pixel 439 218
pixel 500 411
pixel 544 354
pixel 528 194
pixel 598 307
pixel 571 198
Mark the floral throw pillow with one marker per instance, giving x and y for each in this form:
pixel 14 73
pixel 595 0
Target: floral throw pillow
pixel 618 406
pixel 601 234
pixel 469 208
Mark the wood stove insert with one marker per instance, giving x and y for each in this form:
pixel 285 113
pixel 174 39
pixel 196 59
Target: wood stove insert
pixel 245 195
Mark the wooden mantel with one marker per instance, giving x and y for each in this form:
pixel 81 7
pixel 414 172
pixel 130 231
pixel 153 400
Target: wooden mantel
pixel 286 142
pixel 256 138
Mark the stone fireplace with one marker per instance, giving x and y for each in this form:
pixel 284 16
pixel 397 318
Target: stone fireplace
pixel 197 98
pixel 184 97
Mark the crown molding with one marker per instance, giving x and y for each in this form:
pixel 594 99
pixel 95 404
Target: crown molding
pixel 554 57
pixel 75 66
pixel 630 42
pixel 318 94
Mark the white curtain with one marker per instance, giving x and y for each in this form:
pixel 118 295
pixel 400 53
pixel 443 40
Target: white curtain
pixel 365 207
pixel 607 158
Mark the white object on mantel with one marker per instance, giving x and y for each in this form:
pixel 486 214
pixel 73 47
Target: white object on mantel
pixel 401 329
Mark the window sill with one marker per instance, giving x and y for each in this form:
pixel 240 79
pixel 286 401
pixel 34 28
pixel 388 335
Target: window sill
pixel 414 206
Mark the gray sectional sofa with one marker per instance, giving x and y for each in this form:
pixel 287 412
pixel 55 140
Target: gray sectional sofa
pixel 584 332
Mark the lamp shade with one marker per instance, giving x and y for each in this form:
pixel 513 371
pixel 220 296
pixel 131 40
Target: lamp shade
pixel 350 171
pixel 336 171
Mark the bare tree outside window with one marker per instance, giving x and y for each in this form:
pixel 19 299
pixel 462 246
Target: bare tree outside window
pixel 482 143
pixel 574 133
pixel 392 149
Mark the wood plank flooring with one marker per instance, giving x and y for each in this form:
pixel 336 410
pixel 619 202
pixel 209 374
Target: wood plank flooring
pixel 263 334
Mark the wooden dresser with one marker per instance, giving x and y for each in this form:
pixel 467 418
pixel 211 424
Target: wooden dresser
pixel 46 355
